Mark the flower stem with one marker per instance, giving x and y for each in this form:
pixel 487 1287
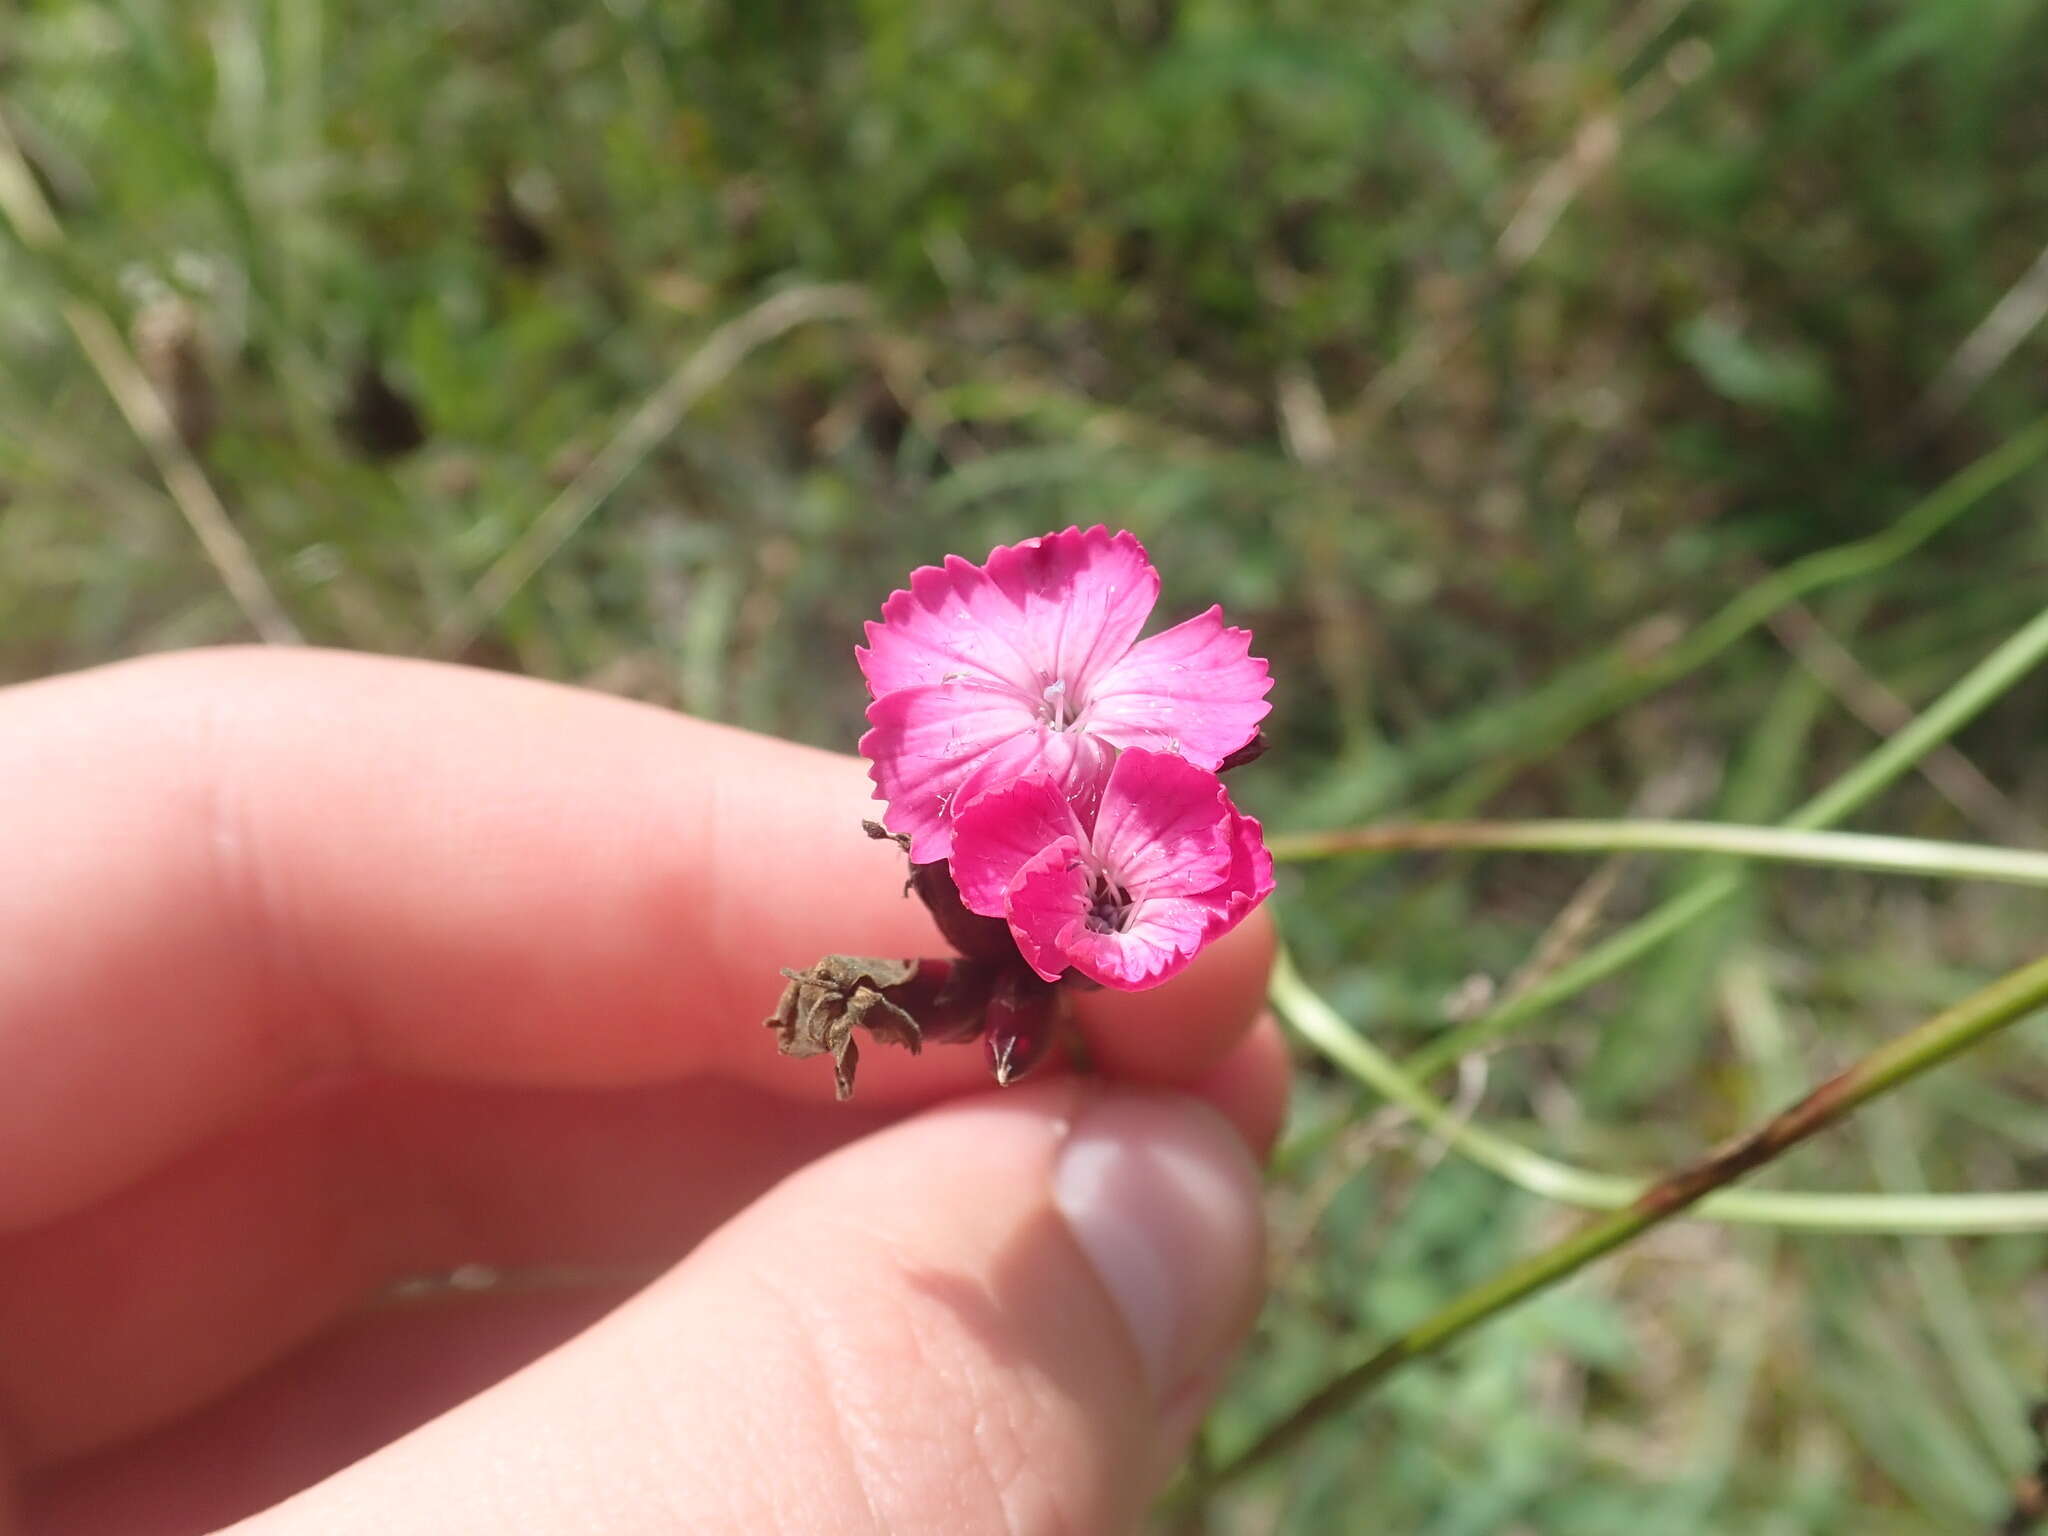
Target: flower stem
pixel 1787 845
pixel 1997 1006
pixel 1971 694
pixel 1893 1214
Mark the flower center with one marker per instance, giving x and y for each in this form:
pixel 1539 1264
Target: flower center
pixel 1056 708
pixel 1109 907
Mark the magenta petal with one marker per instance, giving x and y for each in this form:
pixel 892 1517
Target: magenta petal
pixel 927 742
pixel 1163 828
pixel 1168 923
pixel 1000 832
pixel 1079 765
pixel 946 628
pixel 1048 899
pixel 1162 936
pixel 1249 881
pixel 1251 865
pixel 1083 594
pixel 1194 689
pixel 1059 608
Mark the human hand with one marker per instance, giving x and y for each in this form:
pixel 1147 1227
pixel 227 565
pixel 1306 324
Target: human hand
pixel 318 971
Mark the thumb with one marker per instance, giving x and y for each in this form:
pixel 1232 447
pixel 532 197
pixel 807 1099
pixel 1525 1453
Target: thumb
pixel 1005 1315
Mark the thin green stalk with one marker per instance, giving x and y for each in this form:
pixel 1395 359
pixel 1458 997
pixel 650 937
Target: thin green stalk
pixel 1592 690
pixel 1785 845
pixel 1762 1042
pixel 1973 693
pixel 1940 1038
pixel 1962 1214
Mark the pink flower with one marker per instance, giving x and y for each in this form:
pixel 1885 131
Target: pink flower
pixel 1126 895
pixel 1031 664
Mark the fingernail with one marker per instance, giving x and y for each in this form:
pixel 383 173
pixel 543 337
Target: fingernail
pixel 1163 1199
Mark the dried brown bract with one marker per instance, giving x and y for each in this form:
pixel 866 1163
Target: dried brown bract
pixel 821 1007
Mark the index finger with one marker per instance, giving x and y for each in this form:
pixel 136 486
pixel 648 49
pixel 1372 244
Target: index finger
pixel 236 870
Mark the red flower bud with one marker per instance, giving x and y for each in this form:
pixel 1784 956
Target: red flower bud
pixel 1023 1021
pixel 949 998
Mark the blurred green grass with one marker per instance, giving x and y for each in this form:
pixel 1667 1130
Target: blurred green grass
pixel 1458 348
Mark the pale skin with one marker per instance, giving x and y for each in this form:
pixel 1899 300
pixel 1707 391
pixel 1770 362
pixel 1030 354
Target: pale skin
pixel 318 972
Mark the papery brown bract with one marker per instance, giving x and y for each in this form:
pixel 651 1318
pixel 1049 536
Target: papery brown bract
pixel 822 1006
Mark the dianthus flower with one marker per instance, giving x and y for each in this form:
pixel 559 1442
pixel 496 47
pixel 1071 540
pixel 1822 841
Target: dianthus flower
pixel 1126 891
pixel 1031 665
pixel 1053 779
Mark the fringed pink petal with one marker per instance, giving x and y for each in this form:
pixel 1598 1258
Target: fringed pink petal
pixel 1163 828
pixel 1160 938
pixel 1249 880
pixel 1083 595
pixel 1000 832
pixel 1194 689
pixel 1080 765
pixel 948 626
pixel 926 743
pixel 1048 900
pixel 1058 609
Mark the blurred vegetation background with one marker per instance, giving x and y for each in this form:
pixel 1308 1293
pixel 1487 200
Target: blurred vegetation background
pixel 1474 352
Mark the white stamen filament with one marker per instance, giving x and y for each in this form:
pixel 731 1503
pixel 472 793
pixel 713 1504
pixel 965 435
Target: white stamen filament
pixel 1055 696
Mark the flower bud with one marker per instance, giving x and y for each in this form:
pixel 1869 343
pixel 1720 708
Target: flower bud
pixel 1250 752
pixel 949 998
pixel 1023 1020
pixel 979 938
pixel 983 938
